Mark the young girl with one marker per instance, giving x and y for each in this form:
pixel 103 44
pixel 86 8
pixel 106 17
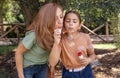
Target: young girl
pixel 33 52
pixel 74 48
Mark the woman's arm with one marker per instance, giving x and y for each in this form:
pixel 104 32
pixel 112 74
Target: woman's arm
pixel 19 59
pixel 56 49
pixel 53 59
pixel 55 52
pixel 54 55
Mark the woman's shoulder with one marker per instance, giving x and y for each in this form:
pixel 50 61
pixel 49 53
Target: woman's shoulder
pixel 30 35
pixel 29 40
pixel 31 32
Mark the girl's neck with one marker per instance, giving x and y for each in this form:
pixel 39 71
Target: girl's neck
pixel 72 36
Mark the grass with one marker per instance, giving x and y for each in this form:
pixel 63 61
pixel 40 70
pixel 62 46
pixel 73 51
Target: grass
pixel 4 74
pixel 105 46
pixel 7 49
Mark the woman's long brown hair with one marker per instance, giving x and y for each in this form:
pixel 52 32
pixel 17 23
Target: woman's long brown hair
pixel 44 25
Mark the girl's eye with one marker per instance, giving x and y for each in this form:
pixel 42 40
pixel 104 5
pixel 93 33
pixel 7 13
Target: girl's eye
pixel 74 21
pixel 67 20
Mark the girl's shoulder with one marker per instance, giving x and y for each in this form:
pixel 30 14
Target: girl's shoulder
pixel 86 37
pixel 84 34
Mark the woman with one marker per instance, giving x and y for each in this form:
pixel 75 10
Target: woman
pixel 74 48
pixel 32 53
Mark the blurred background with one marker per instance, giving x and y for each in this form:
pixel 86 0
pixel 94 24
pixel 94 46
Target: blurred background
pixel 100 18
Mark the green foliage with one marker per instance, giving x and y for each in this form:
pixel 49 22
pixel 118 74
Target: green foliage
pixel 93 12
pixel 20 18
pixel 10 11
pixel 97 11
pixel 6 49
pixel 4 74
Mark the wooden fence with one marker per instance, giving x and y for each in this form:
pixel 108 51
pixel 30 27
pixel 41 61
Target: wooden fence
pixel 16 26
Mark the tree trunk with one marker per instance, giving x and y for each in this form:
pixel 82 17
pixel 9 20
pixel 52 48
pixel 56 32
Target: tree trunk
pixel 29 9
pixel 1 27
pixel 1 18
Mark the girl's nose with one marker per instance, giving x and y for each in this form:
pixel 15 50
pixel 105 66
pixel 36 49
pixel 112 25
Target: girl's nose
pixel 71 23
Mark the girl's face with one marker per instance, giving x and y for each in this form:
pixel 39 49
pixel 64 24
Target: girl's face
pixel 72 23
pixel 59 19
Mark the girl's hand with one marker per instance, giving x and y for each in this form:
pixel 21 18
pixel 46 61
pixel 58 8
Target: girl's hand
pixel 85 61
pixel 57 35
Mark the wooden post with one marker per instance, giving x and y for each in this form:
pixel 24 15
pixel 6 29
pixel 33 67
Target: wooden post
pixel 107 32
pixel 18 37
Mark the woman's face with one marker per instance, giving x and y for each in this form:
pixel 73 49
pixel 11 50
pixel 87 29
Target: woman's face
pixel 72 23
pixel 59 19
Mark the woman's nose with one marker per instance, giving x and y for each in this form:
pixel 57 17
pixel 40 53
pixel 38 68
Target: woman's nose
pixel 60 23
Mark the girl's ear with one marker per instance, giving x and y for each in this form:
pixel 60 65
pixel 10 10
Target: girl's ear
pixel 79 29
pixel 80 26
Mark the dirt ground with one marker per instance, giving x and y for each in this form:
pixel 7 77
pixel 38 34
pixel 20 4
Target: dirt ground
pixel 109 64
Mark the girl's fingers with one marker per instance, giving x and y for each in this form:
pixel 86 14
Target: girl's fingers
pixel 84 61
